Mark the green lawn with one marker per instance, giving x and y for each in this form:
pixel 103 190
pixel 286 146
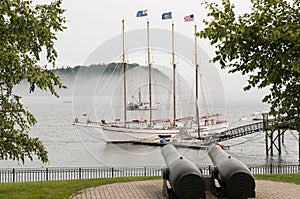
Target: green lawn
pixel 56 189
pixel 64 189
pixel 291 178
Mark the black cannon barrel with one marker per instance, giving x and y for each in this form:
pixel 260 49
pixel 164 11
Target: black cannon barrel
pixel 185 178
pixel 233 175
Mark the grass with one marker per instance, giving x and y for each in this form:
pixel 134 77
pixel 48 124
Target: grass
pixel 64 189
pixel 290 178
pixel 56 189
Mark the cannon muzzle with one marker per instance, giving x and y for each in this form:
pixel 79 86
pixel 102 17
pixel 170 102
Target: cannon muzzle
pixel 233 176
pixel 184 177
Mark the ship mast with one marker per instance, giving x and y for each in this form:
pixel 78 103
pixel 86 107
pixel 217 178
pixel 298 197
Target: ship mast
pixel 150 80
pixel 124 71
pixel 197 89
pixel 140 97
pixel 174 76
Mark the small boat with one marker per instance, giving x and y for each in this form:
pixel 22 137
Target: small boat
pixel 211 122
pixel 140 105
pixel 259 115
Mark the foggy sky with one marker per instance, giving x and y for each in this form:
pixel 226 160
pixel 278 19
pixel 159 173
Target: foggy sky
pixel 92 22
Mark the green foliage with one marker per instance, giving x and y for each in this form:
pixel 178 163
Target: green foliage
pixel 57 189
pixel 265 44
pixel 26 31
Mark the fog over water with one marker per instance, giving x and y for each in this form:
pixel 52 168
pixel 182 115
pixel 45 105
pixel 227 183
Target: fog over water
pixel 73 146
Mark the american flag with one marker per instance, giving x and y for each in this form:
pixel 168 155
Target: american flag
pixel 189 18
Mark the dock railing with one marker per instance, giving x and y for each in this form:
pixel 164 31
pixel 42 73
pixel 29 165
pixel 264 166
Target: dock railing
pixel 234 133
pixel 47 174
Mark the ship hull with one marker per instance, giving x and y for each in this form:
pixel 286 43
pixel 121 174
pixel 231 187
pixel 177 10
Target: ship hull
pixel 116 133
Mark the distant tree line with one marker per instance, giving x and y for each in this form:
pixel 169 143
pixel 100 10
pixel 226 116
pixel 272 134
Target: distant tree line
pixel 95 69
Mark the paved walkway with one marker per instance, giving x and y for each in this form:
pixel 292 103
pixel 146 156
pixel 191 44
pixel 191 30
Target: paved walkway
pixel 152 189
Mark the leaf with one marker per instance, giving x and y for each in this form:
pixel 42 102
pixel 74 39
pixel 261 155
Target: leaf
pixel 263 44
pixel 25 31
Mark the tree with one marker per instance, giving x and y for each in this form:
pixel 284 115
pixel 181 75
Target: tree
pixel 26 31
pixel 265 44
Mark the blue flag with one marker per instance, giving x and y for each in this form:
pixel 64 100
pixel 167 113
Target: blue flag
pixel 142 13
pixel 167 15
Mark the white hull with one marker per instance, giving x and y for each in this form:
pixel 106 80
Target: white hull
pixel 123 134
pixel 213 127
pixel 115 133
pixel 88 124
pixel 209 130
pixel 147 107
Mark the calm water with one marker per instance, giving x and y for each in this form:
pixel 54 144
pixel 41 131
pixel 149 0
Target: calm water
pixel 73 146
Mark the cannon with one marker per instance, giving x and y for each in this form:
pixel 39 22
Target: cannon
pixel 230 177
pixel 181 178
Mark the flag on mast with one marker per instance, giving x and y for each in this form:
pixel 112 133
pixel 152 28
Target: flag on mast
pixel 167 15
pixel 142 13
pixel 189 18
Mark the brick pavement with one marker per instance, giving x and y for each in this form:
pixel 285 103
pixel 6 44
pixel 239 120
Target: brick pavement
pixel 152 189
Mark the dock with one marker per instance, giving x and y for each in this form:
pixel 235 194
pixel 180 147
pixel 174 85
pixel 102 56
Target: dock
pixel 220 137
pixel 265 126
pixel 159 144
pixel 178 145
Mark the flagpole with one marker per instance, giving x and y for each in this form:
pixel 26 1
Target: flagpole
pixel 197 89
pixel 150 80
pixel 124 71
pixel 174 76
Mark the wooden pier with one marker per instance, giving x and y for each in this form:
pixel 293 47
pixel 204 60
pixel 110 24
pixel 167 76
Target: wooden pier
pixel 274 134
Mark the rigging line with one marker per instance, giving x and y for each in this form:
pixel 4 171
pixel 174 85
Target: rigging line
pixel 117 110
pixel 289 150
pixel 251 139
pixel 209 99
pixel 88 132
pixel 294 135
pixel 156 95
pixel 86 148
pixel 285 148
pixel 118 78
pixel 203 96
pixel 169 99
pixel 107 83
pixel 111 77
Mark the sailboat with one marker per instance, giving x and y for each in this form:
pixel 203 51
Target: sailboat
pixel 153 128
pixel 206 124
pixel 141 128
pixel 139 104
